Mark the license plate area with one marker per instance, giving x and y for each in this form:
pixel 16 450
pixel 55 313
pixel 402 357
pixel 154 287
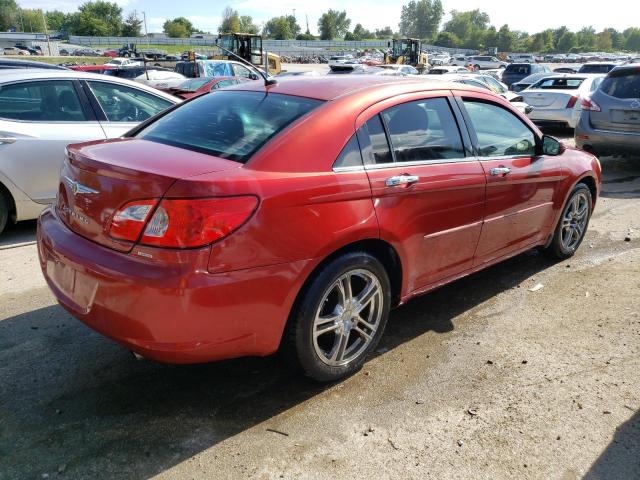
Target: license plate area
pixel 78 288
pixel 626 116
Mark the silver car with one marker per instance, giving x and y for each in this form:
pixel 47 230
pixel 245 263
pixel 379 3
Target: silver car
pixel 610 117
pixel 42 111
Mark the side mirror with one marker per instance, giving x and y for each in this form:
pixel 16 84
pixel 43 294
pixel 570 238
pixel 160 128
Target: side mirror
pixel 551 146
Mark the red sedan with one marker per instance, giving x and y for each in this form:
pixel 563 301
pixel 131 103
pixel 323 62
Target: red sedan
pixel 294 216
pixel 198 86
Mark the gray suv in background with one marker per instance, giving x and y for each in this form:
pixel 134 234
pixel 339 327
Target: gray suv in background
pixel 610 118
pixel 514 72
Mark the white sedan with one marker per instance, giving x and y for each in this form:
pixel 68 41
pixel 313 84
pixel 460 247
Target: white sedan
pixel 123 62
pixel 42 111
pixel 556 99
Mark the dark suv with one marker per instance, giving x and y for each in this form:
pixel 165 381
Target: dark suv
pixel 515 72
pixel 610 118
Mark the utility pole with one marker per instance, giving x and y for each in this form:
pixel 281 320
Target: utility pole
pixel 294 14
pixel 146 33
pixel 46 31
pixel 307 18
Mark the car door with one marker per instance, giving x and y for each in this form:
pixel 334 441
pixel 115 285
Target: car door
pixel 521 184
pixel 38 119
pixel 428 194
pixel 121 107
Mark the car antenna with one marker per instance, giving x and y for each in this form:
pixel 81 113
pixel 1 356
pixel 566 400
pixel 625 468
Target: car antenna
pixel 267 81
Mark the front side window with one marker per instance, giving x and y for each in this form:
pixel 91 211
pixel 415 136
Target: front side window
pixel 423 130
pixel 223 84
pixel 45 101
pixel 121 103
pixel 498 131
pixel 241 71
pixel 228 124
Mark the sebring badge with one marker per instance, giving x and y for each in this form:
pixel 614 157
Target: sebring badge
pixel 77 187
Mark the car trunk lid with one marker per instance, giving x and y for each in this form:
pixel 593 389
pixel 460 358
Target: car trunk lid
pixel 100 177
pixel 553 100
pixel 617 114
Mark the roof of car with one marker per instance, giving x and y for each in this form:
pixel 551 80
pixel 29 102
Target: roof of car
pixel 15 75
pixel 10 62
pixel 331 87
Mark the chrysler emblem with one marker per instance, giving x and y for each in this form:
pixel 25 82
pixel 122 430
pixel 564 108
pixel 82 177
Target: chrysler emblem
pixel 76 187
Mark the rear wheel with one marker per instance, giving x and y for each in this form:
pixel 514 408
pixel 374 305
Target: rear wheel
pixel 4 211
pixel 573 223
pixel 340 317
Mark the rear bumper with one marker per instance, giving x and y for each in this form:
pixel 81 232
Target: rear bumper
pixel 603 142
pixel 559 117
pixel 174 313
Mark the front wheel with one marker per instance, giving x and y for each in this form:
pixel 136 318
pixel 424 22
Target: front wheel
pixel 4 212
pixel 340 317
pixel 573 223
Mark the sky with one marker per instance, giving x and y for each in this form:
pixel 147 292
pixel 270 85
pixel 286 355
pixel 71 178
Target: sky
pixel 372 14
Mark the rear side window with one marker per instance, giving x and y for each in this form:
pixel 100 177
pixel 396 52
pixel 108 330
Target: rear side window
pixel 45 101
pixel 595 69
pixel 622 86
pixel 423 130
pixel 350 155
pixel 228 124
pixel 498 131
pixel 380 151
pixel 125 104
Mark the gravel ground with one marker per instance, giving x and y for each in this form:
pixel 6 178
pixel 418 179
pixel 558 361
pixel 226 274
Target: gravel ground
pixel 483 378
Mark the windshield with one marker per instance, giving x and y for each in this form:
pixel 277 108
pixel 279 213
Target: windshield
pixel 232 125
pixel 559 83
pixel 193 84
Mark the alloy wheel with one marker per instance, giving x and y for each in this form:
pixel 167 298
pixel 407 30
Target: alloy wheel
pixel 574 221
pixel 347 317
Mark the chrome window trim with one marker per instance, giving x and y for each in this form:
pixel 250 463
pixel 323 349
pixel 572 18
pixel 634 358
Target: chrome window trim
pixel 353 168
pixel 417 163
pixel 506 157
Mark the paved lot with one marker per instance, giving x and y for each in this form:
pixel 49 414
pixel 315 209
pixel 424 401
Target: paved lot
pixel 480 379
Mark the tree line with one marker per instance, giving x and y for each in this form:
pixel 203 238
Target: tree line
pixel 418 19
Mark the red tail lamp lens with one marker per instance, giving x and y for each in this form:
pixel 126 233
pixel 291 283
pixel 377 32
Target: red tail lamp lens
pixel 572 101
pixel 187 223
pixel 127 223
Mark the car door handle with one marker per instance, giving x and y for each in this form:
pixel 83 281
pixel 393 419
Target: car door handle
pixel 7 140
pixel 401 180
pixel 500 171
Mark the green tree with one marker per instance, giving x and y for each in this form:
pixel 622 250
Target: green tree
pixel 491 37
pixel 230 21
pixel 447 39
pixel 56 20
pixel 8 15
pixel 617 39
pixel 566 42
pixel 632 42
pixel 587 39
pixel 278 28
pixel 247 25
pixel 333 24
pixel 506 39
pixel 469 27
pixel 604 42
pixel 421 19
pixel 305 36
pixel 384 33
pixel 179 27
pixel 31 20
pixel 83 23
pixel 132 26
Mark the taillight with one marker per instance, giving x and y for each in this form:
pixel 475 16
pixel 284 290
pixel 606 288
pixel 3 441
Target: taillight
pixel 127 223
pixel 590 105
pixel 572 101
pixel 187 223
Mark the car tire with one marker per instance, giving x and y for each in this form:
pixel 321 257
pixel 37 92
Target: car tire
pixel 572 225
pixel 4 212
pixel 347 339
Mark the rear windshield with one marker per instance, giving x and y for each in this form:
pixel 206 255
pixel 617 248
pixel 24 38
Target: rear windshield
pixel 519 69
pixel 595 68
pixel 559 83
pixel 228 124
pixel 193 84
pixel 622 86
